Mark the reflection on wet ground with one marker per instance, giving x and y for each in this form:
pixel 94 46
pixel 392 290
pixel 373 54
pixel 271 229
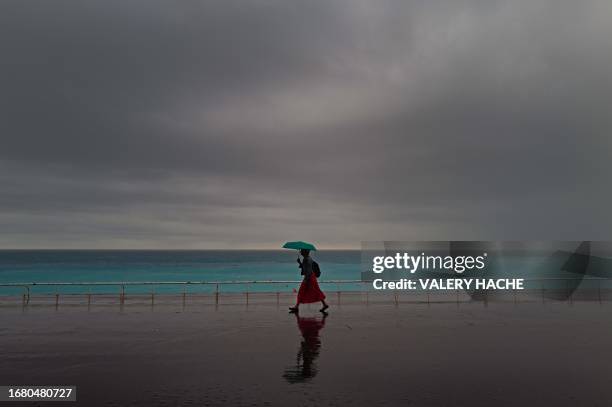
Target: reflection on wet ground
pixel 305 367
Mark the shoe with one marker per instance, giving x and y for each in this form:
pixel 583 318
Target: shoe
pixel 294 310
pixel 324 308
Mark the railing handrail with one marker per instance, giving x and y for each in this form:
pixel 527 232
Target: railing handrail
pixel 221 282
pixel 242 282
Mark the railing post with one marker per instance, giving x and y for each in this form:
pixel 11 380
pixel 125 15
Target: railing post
pixel 217 295
pixel 599 290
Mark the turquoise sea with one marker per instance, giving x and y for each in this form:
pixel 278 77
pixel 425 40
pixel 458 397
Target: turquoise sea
pixel 27 266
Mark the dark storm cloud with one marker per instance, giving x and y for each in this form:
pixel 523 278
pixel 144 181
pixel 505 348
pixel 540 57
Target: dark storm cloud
pixel 208 124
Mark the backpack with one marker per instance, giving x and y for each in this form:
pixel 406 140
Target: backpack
pixel 316 269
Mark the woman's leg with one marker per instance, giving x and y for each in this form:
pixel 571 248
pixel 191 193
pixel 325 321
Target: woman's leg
pixel 325 306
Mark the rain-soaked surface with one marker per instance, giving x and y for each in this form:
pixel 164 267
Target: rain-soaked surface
pixel 379 353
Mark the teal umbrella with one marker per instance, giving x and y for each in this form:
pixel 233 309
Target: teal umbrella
pixel 299 245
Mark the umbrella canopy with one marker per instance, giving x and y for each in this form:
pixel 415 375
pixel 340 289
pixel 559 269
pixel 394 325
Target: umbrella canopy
pixel 299 245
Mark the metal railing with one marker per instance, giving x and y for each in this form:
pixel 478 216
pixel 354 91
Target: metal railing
pixel 217 284
pixel 363 287
pixel 122 286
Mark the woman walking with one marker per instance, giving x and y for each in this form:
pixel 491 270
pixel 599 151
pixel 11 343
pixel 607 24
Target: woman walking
pixel 309 289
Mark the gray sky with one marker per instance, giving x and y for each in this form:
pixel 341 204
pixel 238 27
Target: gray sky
pixel 229 124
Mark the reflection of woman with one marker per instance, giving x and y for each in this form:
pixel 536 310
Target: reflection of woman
pixel 309 289
pixel 310 346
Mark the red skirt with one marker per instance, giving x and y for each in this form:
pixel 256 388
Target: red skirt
pixel 310 291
